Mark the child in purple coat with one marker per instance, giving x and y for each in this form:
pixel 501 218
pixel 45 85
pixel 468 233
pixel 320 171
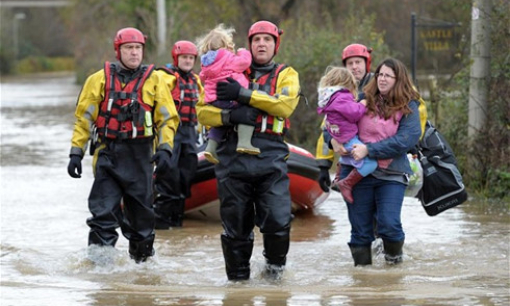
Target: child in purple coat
pixel 219 62
pixel 337 100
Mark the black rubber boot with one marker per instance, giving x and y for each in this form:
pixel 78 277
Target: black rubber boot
pixel 177 215
pixel 237 256
pixel 275 251
pixel 362 255
pixel 139 251
pixel 393 252
pixel 171 214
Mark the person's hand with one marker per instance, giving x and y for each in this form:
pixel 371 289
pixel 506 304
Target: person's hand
pixel 244 115
pixel 74 167
pixel 359 151
pixel 338 147
pixel 364 102
pixel 162 159
pixel 228 91
pixel 324 179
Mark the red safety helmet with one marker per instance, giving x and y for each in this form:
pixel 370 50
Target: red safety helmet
pixel 127 35
pixel 265 27
pixel 357 50
pixel 183 47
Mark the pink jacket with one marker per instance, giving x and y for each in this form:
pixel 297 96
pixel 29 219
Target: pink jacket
pixel 220 64
pixel 374 129
pixel 342 112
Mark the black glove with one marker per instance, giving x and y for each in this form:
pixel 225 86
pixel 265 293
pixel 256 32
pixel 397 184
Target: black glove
pixel 228 91
pixel 244 115
pixel 74 167
pixel 162 159
pixel 324 179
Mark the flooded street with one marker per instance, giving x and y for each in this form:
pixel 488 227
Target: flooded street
pixel 460 257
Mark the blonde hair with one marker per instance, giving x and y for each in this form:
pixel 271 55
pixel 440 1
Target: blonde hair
pixel 217 38
pixel 340 76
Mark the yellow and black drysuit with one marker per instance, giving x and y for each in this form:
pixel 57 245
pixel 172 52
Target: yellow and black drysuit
pixel 254 189
pixel 125 108
pixel 172 189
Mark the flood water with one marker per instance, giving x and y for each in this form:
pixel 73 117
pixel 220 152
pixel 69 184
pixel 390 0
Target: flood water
pixel 460 257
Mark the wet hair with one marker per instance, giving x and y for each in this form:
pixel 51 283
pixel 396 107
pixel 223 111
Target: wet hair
pixel 340 76
pixel 397 99
pixel 217 38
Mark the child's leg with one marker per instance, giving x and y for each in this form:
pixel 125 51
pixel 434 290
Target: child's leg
pixel 214 136
pixel 348 183
pixel 369 165
pixel 244 134
pixel 365 167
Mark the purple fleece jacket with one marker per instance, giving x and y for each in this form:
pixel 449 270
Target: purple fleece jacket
pixel 342 112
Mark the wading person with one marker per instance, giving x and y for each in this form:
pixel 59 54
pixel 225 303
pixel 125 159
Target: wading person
pixel 128 104
pixel 254 189
pixel 172 188
pixel 388 130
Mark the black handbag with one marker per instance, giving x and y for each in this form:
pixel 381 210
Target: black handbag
pixel 442 181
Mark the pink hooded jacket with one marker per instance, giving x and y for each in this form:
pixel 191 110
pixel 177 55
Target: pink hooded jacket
pixel 220 64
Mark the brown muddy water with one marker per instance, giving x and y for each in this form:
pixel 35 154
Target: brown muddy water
pixel 460 257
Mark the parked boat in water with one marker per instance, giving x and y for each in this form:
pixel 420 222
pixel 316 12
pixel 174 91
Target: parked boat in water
pixel 305 192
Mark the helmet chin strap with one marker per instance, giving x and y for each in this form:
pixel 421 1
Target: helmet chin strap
pixel 124 65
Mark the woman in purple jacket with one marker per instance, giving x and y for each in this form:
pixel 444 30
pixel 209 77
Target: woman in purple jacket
pixel 337 100
pixel 389 129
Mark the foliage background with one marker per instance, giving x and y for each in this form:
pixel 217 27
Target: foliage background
pixel 315 32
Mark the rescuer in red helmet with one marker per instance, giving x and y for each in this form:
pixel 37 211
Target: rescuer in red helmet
pixel 254 189
pixel 121 108
pixel 172 189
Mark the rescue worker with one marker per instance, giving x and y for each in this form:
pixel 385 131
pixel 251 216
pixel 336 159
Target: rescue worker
pixel 254 189
pixel 127 103
pixel 356 58
pixel 172 189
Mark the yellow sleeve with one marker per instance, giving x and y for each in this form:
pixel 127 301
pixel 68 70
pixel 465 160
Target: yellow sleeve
pixel 323 154
pixel 166 119
pixel 422 108
pixel 286 97
pixel 208 114
pixel 87 110
pixel 201 90
pixel 282 104
pixel 169 79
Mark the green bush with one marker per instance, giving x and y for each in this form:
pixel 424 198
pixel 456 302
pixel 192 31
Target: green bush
pixel 33 64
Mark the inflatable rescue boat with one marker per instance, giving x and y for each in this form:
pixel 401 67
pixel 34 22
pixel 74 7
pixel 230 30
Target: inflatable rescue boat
pixel 303 172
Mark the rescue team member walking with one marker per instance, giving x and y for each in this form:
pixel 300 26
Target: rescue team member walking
pixel 254 189
pixel 128 103
pixel 172 188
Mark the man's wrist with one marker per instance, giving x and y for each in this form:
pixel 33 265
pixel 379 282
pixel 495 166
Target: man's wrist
pixel 225 117
pixel 244 96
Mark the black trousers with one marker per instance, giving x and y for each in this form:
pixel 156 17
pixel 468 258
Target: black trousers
pixel 253 191
pixel 174 187
pixel 123 173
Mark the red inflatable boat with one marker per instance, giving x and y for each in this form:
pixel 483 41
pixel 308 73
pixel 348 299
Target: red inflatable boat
pixel 303 172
